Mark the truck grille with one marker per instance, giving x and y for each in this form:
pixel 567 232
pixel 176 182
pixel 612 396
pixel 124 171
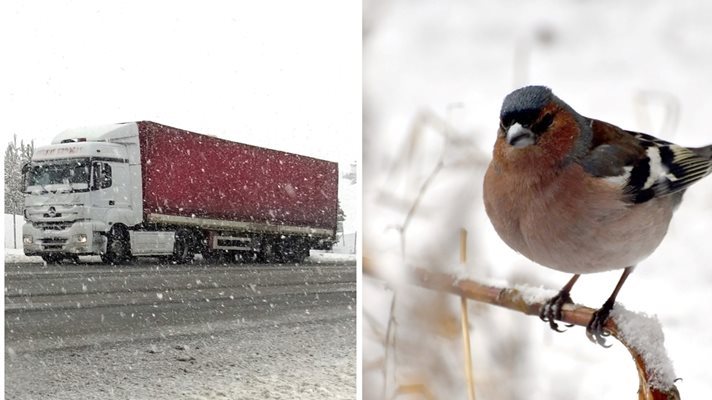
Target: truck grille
pixel 53 243
pixel 53 226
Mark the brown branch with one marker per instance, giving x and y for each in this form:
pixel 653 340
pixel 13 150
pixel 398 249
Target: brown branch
pixel 513 299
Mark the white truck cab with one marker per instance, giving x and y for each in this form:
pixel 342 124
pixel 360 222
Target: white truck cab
pixel 78 187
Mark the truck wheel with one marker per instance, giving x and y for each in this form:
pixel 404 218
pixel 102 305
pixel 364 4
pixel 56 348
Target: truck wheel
pixel 184 247
pixel 295 253
pixel 52 258
pixel 293 250
pixel 247 257
pixel 217 256
pixel 211 256
pixel 300 255
pixel 268 254
pixel 117 247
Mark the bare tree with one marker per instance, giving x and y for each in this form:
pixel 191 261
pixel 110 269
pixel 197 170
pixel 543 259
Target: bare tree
pixel 15 157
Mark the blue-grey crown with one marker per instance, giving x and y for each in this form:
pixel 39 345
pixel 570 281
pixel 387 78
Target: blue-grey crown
pixel 526 100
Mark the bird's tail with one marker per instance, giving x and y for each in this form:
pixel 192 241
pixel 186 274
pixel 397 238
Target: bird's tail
pixel 705 152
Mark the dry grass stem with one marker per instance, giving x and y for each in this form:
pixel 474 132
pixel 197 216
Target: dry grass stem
pixel 469 373
pixel 390 337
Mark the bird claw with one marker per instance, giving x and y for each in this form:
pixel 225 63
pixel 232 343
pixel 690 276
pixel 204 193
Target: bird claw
pixel 595 330
pixel 551 310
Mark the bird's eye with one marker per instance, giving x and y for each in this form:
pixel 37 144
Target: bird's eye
pixel 543 124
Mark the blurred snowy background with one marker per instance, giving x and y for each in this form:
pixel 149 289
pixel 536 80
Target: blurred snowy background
pixel 435 73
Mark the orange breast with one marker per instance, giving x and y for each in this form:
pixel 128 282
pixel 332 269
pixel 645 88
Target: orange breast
pixel 569 221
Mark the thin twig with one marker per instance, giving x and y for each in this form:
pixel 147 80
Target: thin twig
pixel 428 181
pixel 414 207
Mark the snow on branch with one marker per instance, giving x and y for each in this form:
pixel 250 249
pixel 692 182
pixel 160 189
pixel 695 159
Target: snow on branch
pixel 641 334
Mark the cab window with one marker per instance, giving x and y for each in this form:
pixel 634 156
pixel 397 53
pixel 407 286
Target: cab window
pixel 102 176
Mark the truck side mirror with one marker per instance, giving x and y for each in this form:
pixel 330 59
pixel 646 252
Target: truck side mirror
pixel 25 179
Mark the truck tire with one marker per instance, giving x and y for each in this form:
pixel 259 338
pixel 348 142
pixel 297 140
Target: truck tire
pixel 294 251
pixel 247 257
pixel 212 256
pixel 118 249
pixel 299 255
pixel 269 254
pixel 184 247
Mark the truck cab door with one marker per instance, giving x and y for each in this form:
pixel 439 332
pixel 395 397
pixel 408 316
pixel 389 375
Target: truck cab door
pixel 109 187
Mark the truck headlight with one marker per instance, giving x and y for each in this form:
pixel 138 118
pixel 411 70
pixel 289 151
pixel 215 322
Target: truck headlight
pixel 27 239
pixel 82 238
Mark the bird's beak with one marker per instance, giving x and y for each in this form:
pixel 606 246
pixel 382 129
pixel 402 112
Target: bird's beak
pixel 519 136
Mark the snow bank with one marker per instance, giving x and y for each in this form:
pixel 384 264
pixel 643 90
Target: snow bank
pixel 17 256
pixel 324 257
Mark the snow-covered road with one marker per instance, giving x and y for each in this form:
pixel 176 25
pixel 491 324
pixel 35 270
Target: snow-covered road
pixel 163 332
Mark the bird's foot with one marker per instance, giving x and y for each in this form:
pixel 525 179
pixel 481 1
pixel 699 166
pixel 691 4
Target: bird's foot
pixel 595 330
pixel 551 310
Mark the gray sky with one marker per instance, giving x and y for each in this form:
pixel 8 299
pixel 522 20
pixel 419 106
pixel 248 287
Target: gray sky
pixel 279 74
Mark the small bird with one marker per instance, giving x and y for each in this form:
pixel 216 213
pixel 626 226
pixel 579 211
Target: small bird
pixel 581 195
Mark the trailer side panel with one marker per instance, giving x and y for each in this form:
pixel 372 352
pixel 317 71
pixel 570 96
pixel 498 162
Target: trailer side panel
pixel 192 175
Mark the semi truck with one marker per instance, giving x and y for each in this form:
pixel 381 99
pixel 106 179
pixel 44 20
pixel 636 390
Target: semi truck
pixel 137 189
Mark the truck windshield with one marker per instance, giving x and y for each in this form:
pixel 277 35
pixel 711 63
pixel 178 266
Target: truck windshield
pixel 58 176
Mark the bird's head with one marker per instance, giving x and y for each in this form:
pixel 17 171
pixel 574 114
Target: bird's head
pixel 533 117
pixel 526 115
